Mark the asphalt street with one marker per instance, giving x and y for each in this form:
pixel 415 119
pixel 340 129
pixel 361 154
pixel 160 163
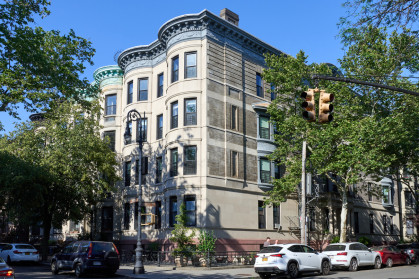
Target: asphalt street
pixel 39 271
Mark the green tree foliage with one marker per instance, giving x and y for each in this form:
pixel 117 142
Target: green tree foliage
pixel 181 234
pixel 397 13
pixel 38 66
pixel 206 241
pixel 368 131
pixel 56 169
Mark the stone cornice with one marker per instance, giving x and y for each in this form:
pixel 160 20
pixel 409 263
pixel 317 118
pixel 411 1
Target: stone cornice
pixel 106 72
pixel 188 27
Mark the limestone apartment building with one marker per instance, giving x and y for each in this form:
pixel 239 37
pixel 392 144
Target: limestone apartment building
pixel 207 136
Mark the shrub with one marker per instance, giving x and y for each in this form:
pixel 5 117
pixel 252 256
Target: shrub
pixel 365 240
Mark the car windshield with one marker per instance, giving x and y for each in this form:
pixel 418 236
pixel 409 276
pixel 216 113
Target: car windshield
pixel 335 248
pixel 24 246
pixel 102 247
pixel 271 249
pixel 402 246
pixel 378 248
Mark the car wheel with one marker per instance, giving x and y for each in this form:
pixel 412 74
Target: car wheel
pixel 408 261
pixel 353 265
pixel 292 270
pixel 54 267
pixel 377 263
pixel 79 271
pixel 264 275
pixel 389 262
pixel 325 268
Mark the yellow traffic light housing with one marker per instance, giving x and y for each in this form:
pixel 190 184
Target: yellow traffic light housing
pixel 149 219
pixel 325 108
pixel 309 105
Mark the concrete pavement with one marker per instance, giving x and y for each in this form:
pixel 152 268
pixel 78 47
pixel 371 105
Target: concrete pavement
pixel 169 271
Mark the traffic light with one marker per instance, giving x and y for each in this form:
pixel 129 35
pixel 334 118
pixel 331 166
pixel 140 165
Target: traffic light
pixel 309 105
pixel 325 108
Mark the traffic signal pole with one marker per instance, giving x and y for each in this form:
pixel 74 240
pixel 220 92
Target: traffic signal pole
pixel 303 218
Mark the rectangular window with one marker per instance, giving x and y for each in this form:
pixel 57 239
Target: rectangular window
pixel 234 163
pixel 130 132
pixel 110 137
pixel 126 216
pixel 143 89
pixel 110 104
pixel 144 169
pixel 264 131
pixel 136 216
pixel 356 220
pixel 173 162
pixel 234 118
pixel 385 224
pixel 137 171
pixel 259 86
pixel 143 217
pixel 128 173
pixel 142 130
pixel 159 126
pixel 157 224
pixel 409 199
pixel 369 190
pixel 159 170
pixel 312 222
pixel 265 170
pixel 371 223
pixel 174 115
pixel 326 219
pixel 409 227
pixel 160 79
pixel 277 216
pixel 279 170
pixel 391 225
pixel 190 112
pixel 130 92
pixel 190 65
pixel 190 160
pixel 273 92
pixel 261 215
pixel 172 211
pixel 190 204
pixel 387 194
pixel 175 68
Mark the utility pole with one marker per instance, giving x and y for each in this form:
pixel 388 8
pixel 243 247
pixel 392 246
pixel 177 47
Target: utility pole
pixel 303 196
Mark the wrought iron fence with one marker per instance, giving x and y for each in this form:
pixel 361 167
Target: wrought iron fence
pixel 191 258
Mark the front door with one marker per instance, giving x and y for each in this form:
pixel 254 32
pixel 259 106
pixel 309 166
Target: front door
pixel 106 233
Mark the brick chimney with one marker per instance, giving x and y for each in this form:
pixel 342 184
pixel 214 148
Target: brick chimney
pixel 231 17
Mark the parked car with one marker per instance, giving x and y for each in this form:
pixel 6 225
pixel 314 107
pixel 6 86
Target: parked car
pixel 411 249
pixel 291 259
pixel 391 255
pixel 87 257
pixel 6 272
pixel 18 252
pixel 351 255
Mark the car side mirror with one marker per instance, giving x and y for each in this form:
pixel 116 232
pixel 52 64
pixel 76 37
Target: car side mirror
pixel 369 249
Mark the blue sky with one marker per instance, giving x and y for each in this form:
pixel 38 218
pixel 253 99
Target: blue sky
pixel 115 25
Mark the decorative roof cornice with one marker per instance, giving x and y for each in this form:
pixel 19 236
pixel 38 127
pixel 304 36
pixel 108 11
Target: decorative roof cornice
pixel 106 72
pixel 192 26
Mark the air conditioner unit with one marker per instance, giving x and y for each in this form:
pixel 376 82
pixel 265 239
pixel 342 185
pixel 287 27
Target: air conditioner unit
pixel 277 226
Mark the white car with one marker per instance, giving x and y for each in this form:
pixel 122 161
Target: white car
pixel 291 259
pixel 17 252
pixel 351 255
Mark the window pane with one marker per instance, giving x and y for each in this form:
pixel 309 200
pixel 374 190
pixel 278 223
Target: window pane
pixel 190 160
pixel 190 205
pixel 173 162
pixel 160 79
pixel 174 113
pixel 259 88
pixel 175 69
pixel 110 105
pixel 264 131
pixel 190 65
pixel 143 87
pixel 265 171
pixel 130 92
pixel 127 173
pixel 142 130
pixel 159 126
pixel 110 137
pixel 190 112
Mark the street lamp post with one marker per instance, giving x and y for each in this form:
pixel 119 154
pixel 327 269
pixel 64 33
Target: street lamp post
pixel 135 115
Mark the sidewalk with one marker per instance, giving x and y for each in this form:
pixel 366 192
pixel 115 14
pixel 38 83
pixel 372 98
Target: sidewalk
pixel 169 271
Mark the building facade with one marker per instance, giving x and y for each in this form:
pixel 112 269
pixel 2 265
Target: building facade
pixel 200 92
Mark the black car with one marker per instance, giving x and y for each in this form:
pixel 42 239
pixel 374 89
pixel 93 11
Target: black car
pixel 87 257
pixel 411 249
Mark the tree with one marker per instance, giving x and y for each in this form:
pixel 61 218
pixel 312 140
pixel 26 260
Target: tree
pixel 378 13
pixel 57 169
pixel 181 234
pixel 38 66
pixel 352 148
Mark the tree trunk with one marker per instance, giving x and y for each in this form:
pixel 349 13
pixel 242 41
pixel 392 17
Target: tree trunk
pixel 343 215
pixel 46 225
